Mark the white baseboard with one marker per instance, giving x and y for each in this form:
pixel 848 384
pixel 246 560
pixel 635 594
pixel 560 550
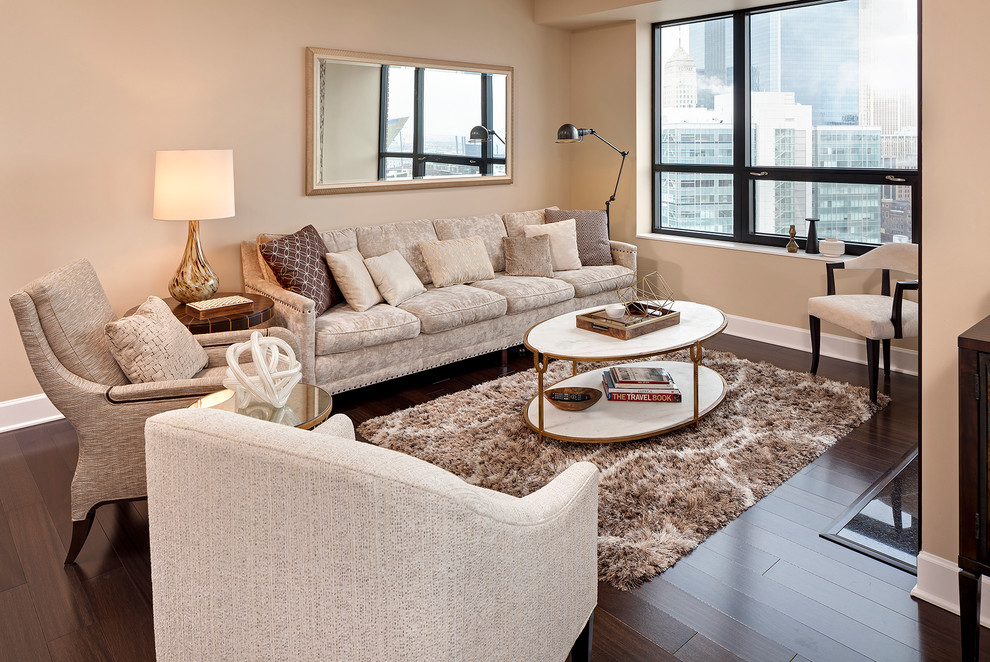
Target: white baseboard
pixel 938 583
pixel 837 347
pixel 25 412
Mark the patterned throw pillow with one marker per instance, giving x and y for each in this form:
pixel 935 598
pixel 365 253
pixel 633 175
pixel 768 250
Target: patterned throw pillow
pixel 563 243
pixel 297 261
pixel 153 346
pixel 592 234
pixel 455 261
pixel 525 256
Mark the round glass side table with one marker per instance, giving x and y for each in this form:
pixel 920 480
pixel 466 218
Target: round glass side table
pixel 308 406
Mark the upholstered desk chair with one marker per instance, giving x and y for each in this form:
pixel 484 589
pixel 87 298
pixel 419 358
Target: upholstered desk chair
pixel 269 542
pixel 876 317
pixel 61 317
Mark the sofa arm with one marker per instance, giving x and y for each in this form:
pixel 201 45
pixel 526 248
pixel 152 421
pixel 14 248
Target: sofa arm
pixel 216 344
pixel 623 254
pixel 292 311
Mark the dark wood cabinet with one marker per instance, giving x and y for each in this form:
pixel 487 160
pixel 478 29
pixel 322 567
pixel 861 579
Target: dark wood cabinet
pixel 974 541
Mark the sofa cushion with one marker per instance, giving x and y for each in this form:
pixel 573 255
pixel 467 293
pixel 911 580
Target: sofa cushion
pixel 341 329
pixel 592 234
pixel 592 280
pixel 456 261
pixel 528 256
pixel 527 292
pixel 515 221
pixel 458 305
pixel 563 243
pixel 353 279
pixel 298 262
pixel 490 228
pixel 374 240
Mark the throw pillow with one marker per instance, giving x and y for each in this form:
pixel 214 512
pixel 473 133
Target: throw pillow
pixel 297 261
pixel 353 279
pixel 563 243
pixel 395 279
pixel 455 261
pixel 525 256
pixel 153 346
pixel 592 234
pixel 515 221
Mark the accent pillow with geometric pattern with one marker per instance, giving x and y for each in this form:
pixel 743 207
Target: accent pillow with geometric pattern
pixel 456 261
pixel 592 234
pixel 152 345
pixel 298 262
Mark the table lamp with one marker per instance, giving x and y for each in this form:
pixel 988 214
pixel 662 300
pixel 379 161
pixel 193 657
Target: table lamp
pixel 568 133
pixel 482 134
pixel 193 185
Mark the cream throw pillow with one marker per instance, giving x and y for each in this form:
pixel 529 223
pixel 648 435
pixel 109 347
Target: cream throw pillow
pixel 395 279
pixel 455 261
pixel 353 279
pixel 153 346
pixel 563 243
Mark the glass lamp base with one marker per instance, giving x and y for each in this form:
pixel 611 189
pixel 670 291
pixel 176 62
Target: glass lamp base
pixel 194 280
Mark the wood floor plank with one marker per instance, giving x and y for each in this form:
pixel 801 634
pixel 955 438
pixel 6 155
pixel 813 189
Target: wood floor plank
pixel 613 641
pixel 702 649
pixel 809 500
pixel 85 645
pixel 23 639
pixel 128 535
pixel 17 486
pixel 125 619
pixel 11 573
pixel 653 623
pixel 63 605
pixel 794 512
pixel 724 630
pixel 822 488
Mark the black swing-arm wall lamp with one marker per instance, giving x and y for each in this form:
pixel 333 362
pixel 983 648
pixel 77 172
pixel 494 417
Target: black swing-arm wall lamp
pixel 568 133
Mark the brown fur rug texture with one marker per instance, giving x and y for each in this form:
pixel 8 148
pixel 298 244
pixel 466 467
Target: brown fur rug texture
pixel 661 497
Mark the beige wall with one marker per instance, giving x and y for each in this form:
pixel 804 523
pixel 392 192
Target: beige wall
pixel 92 89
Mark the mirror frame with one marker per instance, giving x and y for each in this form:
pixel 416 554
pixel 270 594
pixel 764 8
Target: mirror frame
pixel 313 187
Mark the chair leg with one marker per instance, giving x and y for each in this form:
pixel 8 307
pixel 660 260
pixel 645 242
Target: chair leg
pixel 873 365
pixel 886 357
pixel 80 530
pixel 581 651
pixel 816 342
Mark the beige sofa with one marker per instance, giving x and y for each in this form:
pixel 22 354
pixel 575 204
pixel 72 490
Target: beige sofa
pixel 343 349
pixel 273 543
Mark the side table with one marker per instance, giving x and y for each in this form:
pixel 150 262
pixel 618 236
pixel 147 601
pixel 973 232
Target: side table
pixel 308 406
pixel 260 313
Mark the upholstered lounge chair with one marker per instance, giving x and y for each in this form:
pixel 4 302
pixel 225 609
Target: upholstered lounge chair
pixel 269 542
pixel 876 317
pixel 61 317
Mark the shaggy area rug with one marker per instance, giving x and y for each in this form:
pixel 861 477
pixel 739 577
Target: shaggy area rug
pixel 660 497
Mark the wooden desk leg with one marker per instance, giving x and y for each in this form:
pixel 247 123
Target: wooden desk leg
pixel 969 614
pixel 696 354
pixel 540 367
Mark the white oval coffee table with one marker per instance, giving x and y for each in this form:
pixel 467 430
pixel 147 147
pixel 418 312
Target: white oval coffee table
pixel 611 421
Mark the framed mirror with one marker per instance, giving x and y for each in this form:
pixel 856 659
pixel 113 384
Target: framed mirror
pixel 383 122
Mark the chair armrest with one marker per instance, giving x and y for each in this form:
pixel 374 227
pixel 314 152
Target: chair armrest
pixel 896 314
pixel 623 254
pixel 216 344
pixel 169 390
pixel 830 268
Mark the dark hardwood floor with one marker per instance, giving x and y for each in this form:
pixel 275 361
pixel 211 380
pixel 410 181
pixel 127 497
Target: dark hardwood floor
pixel 765 588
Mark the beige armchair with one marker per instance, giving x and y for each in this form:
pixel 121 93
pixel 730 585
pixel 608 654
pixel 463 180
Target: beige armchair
pixel 876 317
pixel 273 543
pixel 61 317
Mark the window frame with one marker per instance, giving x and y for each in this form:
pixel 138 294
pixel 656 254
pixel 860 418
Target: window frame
pixel 745 175
pixel 420 157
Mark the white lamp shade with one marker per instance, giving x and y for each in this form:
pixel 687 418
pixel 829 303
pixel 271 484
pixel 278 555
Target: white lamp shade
pixel 194 184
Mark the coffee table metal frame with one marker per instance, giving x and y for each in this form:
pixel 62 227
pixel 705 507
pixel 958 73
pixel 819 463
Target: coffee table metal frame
pixel 586 346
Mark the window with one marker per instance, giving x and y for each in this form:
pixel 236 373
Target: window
pixel 768 117
pixel 426 117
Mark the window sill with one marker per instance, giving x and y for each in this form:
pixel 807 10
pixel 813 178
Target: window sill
pixel 739 246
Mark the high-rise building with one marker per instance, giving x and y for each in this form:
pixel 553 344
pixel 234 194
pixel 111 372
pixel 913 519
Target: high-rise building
pixel 680 81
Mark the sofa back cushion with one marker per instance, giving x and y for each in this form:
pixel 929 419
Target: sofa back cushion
pixel 515 221
pixel 490 228
pixel 405 237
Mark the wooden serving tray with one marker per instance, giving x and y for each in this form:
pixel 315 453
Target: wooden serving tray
pixel 628 326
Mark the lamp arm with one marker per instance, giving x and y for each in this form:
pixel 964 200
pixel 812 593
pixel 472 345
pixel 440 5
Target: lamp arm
pixel 595 134
pixel 497 136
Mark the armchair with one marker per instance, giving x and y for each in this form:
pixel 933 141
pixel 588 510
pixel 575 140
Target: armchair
pixel 876 317
pixel 61 317
pixel 269 542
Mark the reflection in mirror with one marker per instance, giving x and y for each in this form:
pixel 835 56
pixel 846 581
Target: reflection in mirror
pixel 379 122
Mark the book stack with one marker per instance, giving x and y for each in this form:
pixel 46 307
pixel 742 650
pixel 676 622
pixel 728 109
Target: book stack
pixel 640 384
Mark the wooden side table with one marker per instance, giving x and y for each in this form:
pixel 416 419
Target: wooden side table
pixel 260 313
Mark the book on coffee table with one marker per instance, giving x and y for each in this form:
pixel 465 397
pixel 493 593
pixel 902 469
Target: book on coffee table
pixel 639 375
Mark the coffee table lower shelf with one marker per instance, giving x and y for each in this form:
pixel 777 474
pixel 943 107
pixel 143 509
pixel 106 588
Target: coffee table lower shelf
pixel 610 421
